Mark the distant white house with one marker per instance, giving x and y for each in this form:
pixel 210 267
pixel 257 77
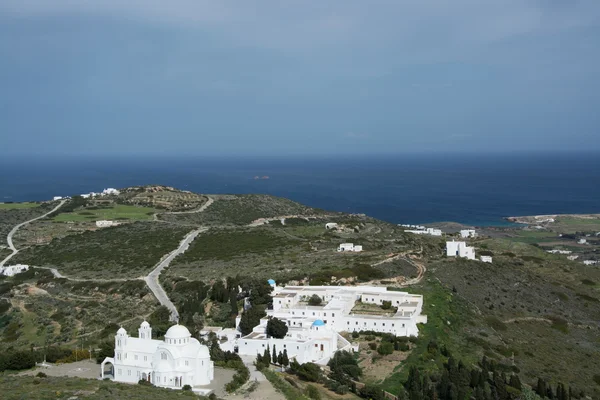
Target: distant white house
pixel 486 259
pixel 88 195
pixel 105 224
pixel 110 191
pixel 460 249
pixel 573 257
pixel 590 262
pixel 582 241
pixel 331 225
pixel 559 251
pixel 57 198
pixel 12 270
pixel 426 231
pixel 468 233
pixel 349 247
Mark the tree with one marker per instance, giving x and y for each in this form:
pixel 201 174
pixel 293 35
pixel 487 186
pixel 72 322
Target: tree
pixel 515 382
pixel 280 358
pixel 107 349
pixel 274 355
pixel 386 305
pixel 541 389
pixel 286 360
pixel 250 318
pixel 315 300
pixel 276 328
pixel 233 302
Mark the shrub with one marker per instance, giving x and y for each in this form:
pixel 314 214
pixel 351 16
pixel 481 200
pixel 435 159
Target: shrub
pixel 186 387
pixel 312 392
pixel 315 300
pixel 385 348
pixel 41 375
pixel 386 305
pixel 355 335
pixel 373 345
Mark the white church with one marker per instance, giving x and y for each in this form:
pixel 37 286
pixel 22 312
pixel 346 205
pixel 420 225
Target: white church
pixel 177 361
pixel 314 331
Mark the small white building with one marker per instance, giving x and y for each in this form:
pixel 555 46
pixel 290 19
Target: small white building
pixel 460 249
pixel 12 270
pixel 314 331
pixel 468 233
pixel 105 224
pixel 590 262
pixel 559 251
pixel 331 225
pixel 573 257
pixel 486 259
pixel 177 361
pixel 110 191
pixel 57 198
pixel 349 247
pixel 582 241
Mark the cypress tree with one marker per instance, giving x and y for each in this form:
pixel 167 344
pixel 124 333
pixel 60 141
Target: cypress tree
pixel 280 358
pixel 274 355
pixel 286 360
pixel 540 388
pixel 515 382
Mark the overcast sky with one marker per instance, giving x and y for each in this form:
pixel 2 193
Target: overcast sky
pixel 298 77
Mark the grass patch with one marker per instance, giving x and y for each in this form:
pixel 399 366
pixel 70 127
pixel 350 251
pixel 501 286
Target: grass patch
pixel 282 386
pixel 17 206
pixel 113 212
pixel 228 244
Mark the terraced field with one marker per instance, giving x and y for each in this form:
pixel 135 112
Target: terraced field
pixel 115 212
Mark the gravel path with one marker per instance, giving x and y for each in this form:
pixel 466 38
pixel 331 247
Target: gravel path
pixel 17 227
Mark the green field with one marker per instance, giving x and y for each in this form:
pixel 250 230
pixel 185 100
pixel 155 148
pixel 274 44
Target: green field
pixel 16 206
pixel 115 212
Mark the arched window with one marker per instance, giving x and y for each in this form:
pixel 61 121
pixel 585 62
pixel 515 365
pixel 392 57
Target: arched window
pixel 163 356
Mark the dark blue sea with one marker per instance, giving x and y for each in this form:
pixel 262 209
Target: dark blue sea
pixel 420 188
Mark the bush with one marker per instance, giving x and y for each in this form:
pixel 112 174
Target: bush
pixel 312 392
pixel 355 335
pixel 386 305
pixel 41 375
pixel 186 387
pixel 373 346
pixel 385 348
pixel 315 300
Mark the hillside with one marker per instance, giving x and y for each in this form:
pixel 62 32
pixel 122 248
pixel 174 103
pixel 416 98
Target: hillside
pixel 524 312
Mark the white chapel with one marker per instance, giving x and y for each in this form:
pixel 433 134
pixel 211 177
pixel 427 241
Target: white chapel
pixel 174 362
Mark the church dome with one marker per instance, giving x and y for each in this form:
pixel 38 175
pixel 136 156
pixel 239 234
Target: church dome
pixel 145 324
pixel 177 332
pixel 203 352
pixel 121 331
pixel 318 323
pixel 271 281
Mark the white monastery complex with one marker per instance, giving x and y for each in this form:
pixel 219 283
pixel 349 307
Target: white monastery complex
pixel 172 363
pixel 313 331
pixel 12 270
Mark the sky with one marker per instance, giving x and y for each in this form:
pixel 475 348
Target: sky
pixel 298 76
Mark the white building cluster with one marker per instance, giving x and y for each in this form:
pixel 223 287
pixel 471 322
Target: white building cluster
pixel 105 192
pixel 426 231
pixel 12 270
pixel 177 361
pixel 313 331
pixel 349 247
pixel 559 251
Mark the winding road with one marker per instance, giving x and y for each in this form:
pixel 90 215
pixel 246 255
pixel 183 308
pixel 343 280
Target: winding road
pixel 17 227
pixel 152 278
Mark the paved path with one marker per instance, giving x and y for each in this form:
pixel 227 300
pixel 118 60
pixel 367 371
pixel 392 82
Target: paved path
pixel 59 275
pixel 17 227
pixel 152 278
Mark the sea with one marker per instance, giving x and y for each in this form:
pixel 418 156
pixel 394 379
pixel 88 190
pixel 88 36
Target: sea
pixel 473 189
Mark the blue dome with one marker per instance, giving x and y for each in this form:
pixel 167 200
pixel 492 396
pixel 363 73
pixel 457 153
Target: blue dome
pixel 271 282
pixel 318 323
